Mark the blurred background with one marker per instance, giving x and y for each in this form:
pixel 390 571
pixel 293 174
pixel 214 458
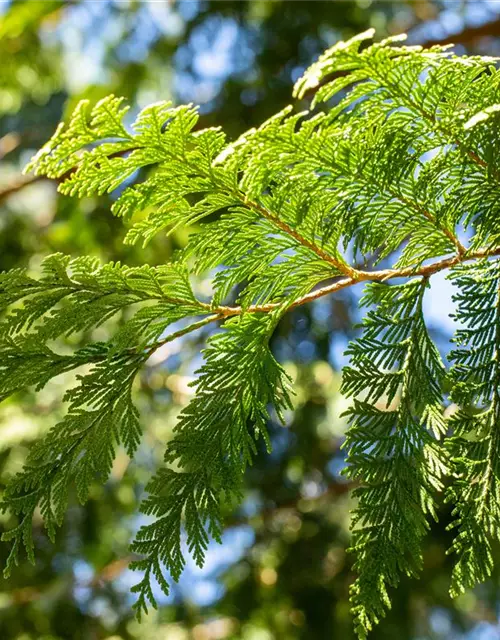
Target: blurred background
pixel 282 572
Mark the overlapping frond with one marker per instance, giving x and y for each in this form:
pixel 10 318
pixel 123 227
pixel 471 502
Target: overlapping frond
pixel 396 420
pixel 238 386
pixel 71 296
pixel 475 446
pixel 396 153
pixel 449 104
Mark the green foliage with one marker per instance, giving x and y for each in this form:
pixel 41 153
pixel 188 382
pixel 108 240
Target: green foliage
pixel 476 424
pixel 74 296
pixel 237 386
pixel 397 152
pixel 396 419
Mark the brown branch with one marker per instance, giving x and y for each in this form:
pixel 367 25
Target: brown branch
pixel 381 275
pixel 17 185
pixel 8 143
pixel 469 35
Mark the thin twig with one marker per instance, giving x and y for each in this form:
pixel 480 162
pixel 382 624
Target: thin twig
pixel 381 275
pixel 338 264
pixel 17 185
pixel 182 332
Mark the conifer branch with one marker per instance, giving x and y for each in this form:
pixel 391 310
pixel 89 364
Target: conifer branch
pixel 341 267
pixel 380 275
pixel 475 446
pixel 398 158
pixel 329 161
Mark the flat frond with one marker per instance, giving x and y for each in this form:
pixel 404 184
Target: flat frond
pixel 475 446
pixel 238 386
pixel 396 419
pixel 394 154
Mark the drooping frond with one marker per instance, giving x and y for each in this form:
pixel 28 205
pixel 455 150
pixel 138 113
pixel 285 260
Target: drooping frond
pixel 397 151
pixel 80 448
pixel 475 446
pixel 68 297
pixel 238 385
pixel 396 420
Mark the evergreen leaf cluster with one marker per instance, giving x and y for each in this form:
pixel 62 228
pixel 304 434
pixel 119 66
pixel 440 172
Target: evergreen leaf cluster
pixel 396 380
pixel 384 171
pixel 474 443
